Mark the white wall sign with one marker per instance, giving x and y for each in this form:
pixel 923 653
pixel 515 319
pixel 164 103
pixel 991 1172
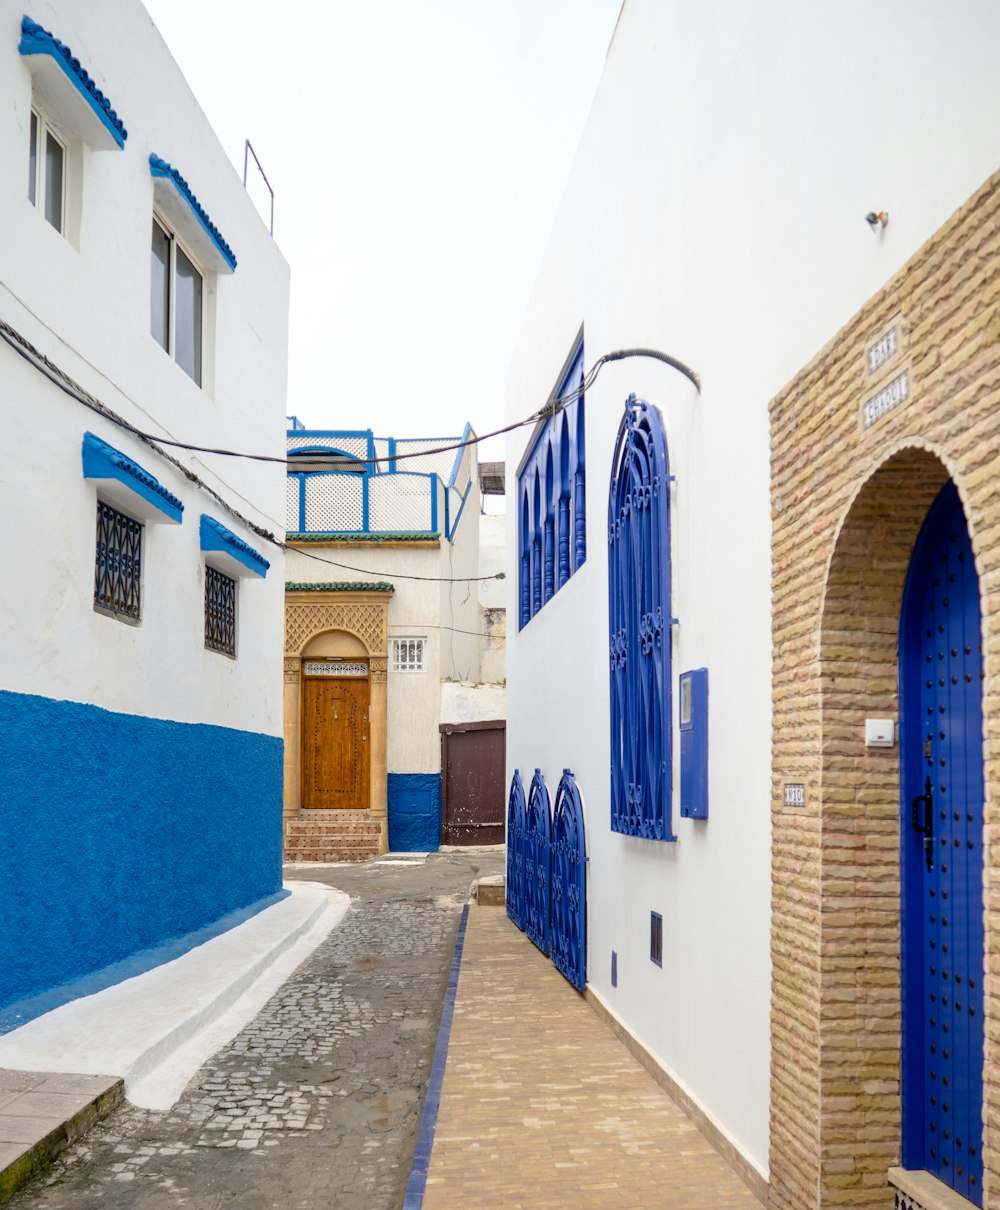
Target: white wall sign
pixel 885 347
pixel 890 397
pixel 795 795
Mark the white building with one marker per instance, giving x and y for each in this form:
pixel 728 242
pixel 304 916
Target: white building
pixel 394 647
pixel 140 701
pixel 716 212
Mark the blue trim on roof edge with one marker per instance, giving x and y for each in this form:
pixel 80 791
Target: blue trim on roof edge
pixel 35 40
pixel 103 461
pixel 158 167
pixel 466 434
pixel 215 536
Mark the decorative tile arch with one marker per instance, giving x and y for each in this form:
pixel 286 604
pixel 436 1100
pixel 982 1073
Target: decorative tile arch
pixel 640 625
pixel 361 610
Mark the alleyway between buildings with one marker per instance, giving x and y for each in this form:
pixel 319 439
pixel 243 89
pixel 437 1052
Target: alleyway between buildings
pixel 317 1104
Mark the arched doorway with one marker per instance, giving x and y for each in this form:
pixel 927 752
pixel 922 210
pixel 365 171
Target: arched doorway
pixel 941 850
pixel 335 701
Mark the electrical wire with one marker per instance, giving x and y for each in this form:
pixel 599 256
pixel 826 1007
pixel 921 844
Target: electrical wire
pixel 550 409
pixel 74 390
pixel 79 394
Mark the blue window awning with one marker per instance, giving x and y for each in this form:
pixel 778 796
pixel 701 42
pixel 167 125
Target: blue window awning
pixel 180 207
pixel 124 482
pixel 67 90
pixel 230 552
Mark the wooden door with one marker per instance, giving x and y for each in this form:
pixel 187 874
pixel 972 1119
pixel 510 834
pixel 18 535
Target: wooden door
pixel 472 764
pixel 335 757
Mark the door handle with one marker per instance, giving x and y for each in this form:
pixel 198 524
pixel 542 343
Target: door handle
pixel 926 826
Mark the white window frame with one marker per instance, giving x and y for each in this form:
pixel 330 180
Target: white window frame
pixel 45 129
pixel 174 242
pixel 405 661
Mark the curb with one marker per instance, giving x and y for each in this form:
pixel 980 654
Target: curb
pixel 38 1156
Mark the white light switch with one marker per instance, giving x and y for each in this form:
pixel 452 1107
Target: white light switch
pixel 880 732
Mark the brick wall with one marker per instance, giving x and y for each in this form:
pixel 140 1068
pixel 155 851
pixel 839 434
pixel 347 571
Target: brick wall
pixel 847 504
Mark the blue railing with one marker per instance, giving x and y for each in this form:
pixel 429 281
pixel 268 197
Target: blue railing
pixel 345 502
pixel 381 484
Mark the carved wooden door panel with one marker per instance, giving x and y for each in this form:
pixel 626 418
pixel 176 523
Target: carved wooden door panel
pixel 335 759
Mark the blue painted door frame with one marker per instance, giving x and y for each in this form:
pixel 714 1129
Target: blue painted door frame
pixel 941 853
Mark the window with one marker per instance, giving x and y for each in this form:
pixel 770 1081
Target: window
pixel 640 626
pixel 46 170
pixel 176 301
pixel 551 481
pixel 118 568
pixel 408 655
pixel 220 612
pixel 656 938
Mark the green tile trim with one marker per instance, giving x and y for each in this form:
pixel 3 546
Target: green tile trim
pixel 343 586
pixel 333 536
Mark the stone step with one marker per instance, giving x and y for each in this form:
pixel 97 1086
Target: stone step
pixel 331 854
pixel 335 835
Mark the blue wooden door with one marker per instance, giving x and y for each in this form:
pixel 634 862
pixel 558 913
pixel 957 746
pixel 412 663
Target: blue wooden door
pixel 515 850
pixel 942 854
pixel 569 883
pixel 537 883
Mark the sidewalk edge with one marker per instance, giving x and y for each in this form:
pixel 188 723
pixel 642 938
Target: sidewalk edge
pixel 417 1183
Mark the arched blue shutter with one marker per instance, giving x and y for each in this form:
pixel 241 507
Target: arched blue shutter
pixel 640 626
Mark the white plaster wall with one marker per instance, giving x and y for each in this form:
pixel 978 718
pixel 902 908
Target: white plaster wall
pixel 716 211
pixel 472 703
pixel 492 559
pixel 462 636
pixel 85 304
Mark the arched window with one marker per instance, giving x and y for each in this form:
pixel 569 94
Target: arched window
pixel 640 625
pixel 552 537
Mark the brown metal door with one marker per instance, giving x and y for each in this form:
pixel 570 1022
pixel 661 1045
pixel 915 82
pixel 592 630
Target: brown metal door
pixel 472 782
pixel 335 743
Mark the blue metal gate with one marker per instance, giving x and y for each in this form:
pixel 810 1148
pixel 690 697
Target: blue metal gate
pixel 569 884
pixel 515 850
pixel 942 854
pixel 537 832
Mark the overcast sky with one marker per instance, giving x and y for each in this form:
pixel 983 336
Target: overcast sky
pixel 418 150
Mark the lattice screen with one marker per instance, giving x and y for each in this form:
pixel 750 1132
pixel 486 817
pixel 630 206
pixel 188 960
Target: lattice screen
pixel 400 502
pixel 440 464
pixel 334 502
pixel 291 504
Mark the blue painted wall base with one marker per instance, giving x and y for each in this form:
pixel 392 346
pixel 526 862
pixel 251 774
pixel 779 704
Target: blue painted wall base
pixel 122 834
pixel 414 802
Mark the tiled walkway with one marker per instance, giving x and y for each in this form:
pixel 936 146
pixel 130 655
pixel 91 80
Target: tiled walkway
pixel 542 1107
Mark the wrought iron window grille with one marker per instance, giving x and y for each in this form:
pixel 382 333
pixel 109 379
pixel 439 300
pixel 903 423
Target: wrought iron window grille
pixel 640 626
pixel 220 612
pixel 408 655
pixel 118 564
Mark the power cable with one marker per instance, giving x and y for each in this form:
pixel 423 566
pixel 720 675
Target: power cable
pixel 59 378
pixel 79 394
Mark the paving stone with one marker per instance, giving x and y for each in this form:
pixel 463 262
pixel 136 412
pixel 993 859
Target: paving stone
pixel 317 1101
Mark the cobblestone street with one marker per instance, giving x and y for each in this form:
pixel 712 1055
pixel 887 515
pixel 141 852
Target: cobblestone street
pixel 316 1103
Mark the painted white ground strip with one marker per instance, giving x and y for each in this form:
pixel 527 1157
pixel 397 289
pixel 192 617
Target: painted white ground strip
pixel 157 1029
